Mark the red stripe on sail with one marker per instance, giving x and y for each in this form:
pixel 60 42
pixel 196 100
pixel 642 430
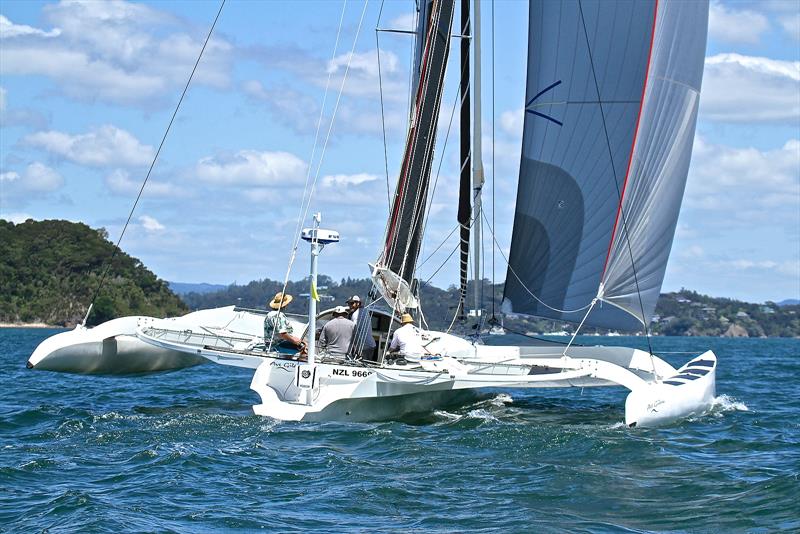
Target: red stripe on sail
pixel 413 132
pixel 633 144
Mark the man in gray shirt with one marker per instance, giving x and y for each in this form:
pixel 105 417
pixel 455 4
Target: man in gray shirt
pixel 337 333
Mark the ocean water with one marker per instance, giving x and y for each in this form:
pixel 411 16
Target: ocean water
pixel 183 452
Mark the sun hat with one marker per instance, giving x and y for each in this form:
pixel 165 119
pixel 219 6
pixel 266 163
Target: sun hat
pixel 280 301
pixel 354 298
pixel 406 318
pixel 340 310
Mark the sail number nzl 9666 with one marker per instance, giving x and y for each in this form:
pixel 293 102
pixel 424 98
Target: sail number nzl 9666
pixel 355 373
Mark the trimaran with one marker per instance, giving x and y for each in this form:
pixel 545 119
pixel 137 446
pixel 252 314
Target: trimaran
pixel 611 106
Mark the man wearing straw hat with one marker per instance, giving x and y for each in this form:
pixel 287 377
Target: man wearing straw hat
pixel 278 329
pixel 407 339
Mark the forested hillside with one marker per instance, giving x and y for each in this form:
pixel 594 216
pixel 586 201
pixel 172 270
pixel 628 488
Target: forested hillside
pixel 49 271
pixel 683 313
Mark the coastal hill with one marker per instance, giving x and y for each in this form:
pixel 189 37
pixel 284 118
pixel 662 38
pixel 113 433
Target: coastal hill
pixel 682 313
pixel 49 271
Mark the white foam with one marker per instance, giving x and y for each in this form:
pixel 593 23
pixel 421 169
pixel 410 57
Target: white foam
pixel 447 415
pixel 481 414
pixel 726 403
pixel 501 400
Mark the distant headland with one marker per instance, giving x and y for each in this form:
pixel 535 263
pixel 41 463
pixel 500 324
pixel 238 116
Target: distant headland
pixel 49 271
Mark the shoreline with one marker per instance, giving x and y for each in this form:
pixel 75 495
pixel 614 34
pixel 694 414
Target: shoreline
pixel 29 325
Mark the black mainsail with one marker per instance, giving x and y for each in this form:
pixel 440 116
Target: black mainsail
pixel 611 107
pixel 406 220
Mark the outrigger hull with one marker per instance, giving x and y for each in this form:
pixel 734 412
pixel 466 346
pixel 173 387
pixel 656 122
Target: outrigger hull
pixel 112 348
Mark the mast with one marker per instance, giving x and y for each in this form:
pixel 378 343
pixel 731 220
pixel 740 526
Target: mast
pixel 477 161
pixel 464 190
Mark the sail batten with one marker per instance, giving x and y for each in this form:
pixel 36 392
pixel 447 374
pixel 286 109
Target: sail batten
pixel 610 115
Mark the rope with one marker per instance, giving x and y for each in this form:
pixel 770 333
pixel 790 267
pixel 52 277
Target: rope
pixel 153 163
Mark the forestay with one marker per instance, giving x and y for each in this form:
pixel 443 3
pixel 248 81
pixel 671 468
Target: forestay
pixel 611 107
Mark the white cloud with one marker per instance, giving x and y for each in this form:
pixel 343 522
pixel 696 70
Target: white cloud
pixel 120 182
pixel 297 110
pixel 738 88
pixel 40 177
pixel 151 224
pixel 16 217
pixel 37 177
pixel 36 180
pixel 251 167
pixel 9 30
pixel 113 51
pixel 787 267
pixel 746 183
pixel 363 62
pixel 102 147
pixel 735 25
pixel 19 116
pixel 791 25
pixel 512 122
pixel 406 21
pixel 339 180
pixel 10 176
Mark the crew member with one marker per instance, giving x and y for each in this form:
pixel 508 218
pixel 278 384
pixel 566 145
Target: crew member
pixel 354 307
pixel 407 339
pixel 278 329
pixel 337 333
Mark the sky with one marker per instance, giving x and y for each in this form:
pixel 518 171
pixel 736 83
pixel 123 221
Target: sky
pixel 87 89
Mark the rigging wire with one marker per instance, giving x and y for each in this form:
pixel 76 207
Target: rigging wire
pixel 306 204
pixel 419 265
pixel 152 164
pixel 301 216
pixel 383 119
pixel 616 182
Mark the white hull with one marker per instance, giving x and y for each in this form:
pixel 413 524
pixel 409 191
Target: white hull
pixel 338 390
pixel 112 348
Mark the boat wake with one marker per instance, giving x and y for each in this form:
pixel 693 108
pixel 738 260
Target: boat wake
pixel 725 403
pixel 482 409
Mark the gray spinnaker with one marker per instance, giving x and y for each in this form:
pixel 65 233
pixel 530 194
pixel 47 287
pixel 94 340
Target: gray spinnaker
pixel 610 114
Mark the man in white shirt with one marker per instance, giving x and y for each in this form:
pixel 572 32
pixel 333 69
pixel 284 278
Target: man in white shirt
pixel 407 339
pixel 354 307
